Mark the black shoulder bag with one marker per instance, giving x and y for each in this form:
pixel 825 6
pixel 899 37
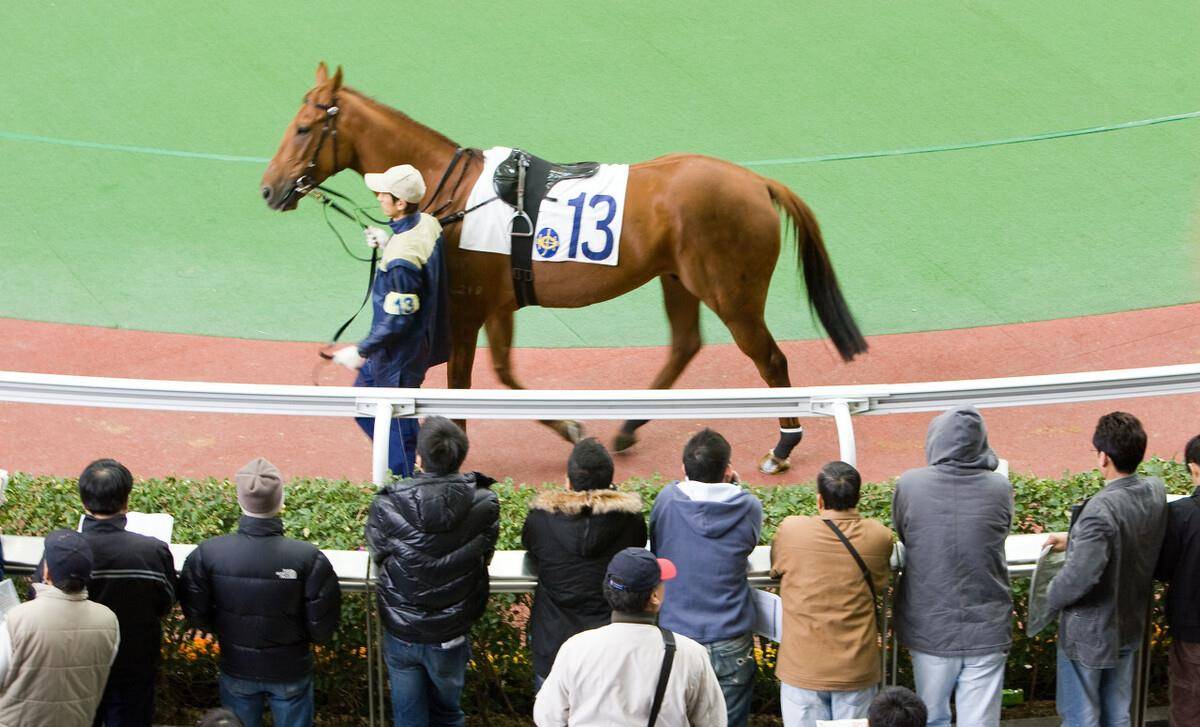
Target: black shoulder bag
pixel 866 572
pixel 663 674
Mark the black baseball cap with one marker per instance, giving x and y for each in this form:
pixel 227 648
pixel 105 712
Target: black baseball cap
pixel 68 556
pixel 637 570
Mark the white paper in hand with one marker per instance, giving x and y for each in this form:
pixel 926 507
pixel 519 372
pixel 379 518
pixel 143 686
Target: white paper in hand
pixel 8 597
pixel 768 614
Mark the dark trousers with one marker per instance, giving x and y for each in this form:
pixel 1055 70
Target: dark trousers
pixel 1184 666
pixel 127 704
pixel 402 444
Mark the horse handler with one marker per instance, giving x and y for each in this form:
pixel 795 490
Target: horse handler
pixel 409 327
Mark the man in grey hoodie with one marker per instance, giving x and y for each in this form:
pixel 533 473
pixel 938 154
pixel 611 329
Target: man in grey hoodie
pixel 1105 585
pixel 953 602
pixel 708 525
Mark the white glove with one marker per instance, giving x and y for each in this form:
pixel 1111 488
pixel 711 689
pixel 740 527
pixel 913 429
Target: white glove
pixel 376 237
pixel 349 358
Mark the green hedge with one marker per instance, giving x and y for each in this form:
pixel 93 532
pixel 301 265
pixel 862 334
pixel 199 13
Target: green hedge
pixel 330 514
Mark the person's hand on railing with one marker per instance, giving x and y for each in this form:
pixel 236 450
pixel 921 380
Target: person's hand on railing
pixel 1057 541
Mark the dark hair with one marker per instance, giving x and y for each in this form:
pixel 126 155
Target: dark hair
pixel 838 484
pixel 897 707
pixel 1121 437
pixel 219 717
pixel 442 445
pixel 71 585
pixel 706 456
pixel 104 487
pixel 1191 452
pixel 590 466
pixel 626 601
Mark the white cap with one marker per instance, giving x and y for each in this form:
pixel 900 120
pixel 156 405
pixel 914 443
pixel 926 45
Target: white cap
pixel 402 182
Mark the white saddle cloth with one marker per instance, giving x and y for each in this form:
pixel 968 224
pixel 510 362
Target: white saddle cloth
pixel 579 220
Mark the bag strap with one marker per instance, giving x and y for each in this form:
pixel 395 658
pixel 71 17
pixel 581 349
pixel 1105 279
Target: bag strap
pixel 866 572
pixel 664 673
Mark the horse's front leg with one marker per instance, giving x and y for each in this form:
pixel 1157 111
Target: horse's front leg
pixel 499 330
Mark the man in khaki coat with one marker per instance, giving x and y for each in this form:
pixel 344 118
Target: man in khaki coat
pixel 828 608
pixel 56 650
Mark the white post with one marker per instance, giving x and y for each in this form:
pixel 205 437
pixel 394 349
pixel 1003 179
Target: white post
pixel 379 448
pixel 845 430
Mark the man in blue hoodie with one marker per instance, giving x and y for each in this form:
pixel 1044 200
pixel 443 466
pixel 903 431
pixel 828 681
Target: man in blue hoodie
pixel 708 526
pixel 953 601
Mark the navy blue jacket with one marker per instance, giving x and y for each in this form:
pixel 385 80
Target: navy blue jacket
pixel 409 301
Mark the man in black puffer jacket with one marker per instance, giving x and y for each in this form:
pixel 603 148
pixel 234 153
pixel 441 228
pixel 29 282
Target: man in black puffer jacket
pixel 267 598
pixel 432 537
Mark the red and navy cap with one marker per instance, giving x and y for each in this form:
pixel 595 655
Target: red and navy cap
pixel 637 570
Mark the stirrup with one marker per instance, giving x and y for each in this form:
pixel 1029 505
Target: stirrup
pixel 512 224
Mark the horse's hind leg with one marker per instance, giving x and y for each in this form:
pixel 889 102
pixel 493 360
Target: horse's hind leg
pixel 683 312
pixel 755 340
pixel 499 329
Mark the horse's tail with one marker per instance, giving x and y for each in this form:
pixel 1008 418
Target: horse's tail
pixel 824 295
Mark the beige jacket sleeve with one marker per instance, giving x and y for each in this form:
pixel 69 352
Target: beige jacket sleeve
pixel 705 701
pixel 553 704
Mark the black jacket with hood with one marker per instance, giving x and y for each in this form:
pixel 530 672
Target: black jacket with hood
pixel 569 538
pixel 432 537
pixel 266 597
pixel 953 598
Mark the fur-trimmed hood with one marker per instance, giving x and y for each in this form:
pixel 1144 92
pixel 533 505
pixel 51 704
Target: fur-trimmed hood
pixel 586 502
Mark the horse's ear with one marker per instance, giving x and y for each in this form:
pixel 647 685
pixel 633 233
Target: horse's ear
pixel 322 73
pixel 337 79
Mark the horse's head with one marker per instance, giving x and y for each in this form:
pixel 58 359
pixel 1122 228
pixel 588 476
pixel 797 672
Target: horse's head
pixel 310 151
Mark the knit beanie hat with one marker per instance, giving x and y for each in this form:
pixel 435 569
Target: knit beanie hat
pixel 260 488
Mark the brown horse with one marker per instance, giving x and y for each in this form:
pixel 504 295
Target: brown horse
pixel 706 228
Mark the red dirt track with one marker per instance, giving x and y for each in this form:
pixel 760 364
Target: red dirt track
pixel 1047 440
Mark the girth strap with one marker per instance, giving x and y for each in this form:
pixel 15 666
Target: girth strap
pixel 533 174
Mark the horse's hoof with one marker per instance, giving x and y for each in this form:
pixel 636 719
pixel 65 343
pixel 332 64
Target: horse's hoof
pixel 572 431
pixel 624 441
pixel 772 465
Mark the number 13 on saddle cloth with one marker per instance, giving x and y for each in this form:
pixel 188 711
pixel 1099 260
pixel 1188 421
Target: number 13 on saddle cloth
pixel 579 220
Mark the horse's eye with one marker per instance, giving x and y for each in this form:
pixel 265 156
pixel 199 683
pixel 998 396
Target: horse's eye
pixel 302 129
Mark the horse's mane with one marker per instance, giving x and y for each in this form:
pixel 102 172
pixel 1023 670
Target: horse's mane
pixel 398 114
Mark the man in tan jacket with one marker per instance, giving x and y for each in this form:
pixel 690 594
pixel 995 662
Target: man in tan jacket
pixel 828 606
pixel 56 650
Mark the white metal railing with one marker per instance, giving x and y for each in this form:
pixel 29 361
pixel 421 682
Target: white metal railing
pixel 840 402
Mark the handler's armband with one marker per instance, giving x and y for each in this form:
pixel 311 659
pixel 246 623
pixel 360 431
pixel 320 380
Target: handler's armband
pixel 401 304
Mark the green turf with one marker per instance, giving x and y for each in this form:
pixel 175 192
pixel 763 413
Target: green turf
pixel 1033 231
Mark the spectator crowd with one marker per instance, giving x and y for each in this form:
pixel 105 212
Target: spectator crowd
pixel 633 622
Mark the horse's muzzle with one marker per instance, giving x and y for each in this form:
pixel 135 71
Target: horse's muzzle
pixel 283 199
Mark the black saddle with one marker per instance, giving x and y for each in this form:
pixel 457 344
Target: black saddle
pixel 505 179
pixel 523 181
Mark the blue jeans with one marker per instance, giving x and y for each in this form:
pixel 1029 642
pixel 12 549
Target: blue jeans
pixel 126 703
pixel 733 662
pixel 803 707
pixel 976 682
pixel 1087 696
pixel 427 682
pixel 402 442
pixel 291 702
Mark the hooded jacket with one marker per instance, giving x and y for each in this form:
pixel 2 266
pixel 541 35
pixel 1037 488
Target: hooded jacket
pixel 570 537
pixel 432 537
pixel 266 597
pixel 1107 580
pixel 708 537
pixel 953 597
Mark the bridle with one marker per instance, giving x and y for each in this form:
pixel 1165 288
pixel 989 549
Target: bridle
pixel 305 183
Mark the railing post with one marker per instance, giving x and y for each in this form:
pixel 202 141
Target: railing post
pixel 380 443
pixel 841 410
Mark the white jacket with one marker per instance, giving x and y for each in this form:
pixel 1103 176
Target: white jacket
pixel 607 676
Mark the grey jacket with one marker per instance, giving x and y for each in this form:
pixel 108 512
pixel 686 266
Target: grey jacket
pixel 953 597
pixel 1104 587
